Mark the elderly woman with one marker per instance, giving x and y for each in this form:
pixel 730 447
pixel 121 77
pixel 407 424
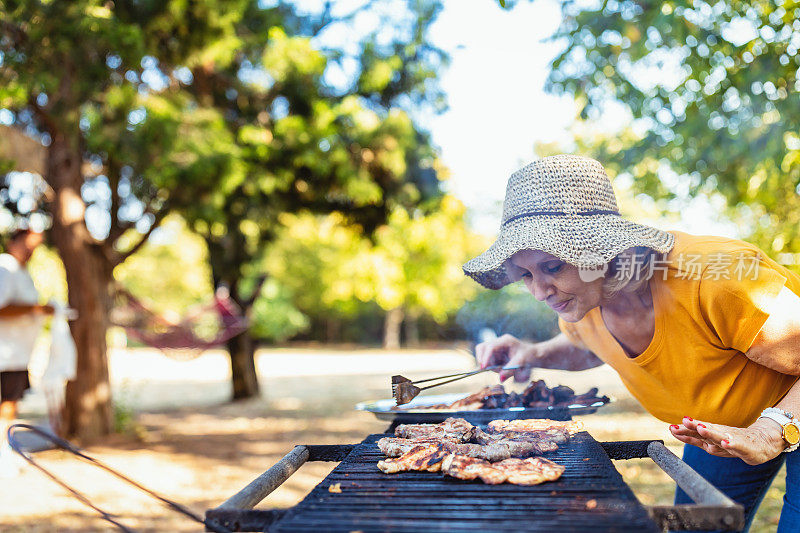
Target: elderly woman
pixel 704 331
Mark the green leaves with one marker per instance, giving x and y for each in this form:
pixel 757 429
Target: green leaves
pixel 413 262
pixel 219 110
pixel 286 58
pixel 709 87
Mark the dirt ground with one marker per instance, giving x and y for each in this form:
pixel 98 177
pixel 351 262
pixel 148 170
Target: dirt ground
pixel 184 441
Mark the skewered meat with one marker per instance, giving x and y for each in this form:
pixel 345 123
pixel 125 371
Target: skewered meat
pixel 456 429
pixel 531 471
pixel 425 457
pixel 533 424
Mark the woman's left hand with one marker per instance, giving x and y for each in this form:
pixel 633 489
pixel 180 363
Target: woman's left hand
pixel 754 445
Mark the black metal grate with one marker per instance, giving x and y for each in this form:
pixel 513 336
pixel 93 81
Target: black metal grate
pixel 423 501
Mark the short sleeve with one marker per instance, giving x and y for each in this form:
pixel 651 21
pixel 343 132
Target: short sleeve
pixel 571 333
pixel 736 306
pixel 6 287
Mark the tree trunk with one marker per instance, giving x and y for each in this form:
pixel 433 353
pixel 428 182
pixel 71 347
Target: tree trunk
pixel 333 329
pixel 391 328
pixel 242 349
pixel 87 412
pixel 412 331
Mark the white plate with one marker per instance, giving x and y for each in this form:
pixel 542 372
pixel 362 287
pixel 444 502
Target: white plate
pixel 416 410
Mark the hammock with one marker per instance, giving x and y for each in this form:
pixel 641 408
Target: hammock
pixel 206 327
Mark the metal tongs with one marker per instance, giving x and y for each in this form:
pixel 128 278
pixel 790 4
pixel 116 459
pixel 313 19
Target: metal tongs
pixel 404 390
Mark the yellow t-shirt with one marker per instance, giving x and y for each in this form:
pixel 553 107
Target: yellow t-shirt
pixel 709 309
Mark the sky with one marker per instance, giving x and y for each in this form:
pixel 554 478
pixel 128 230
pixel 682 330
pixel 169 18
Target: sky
pixel 495 88
pixel 499 109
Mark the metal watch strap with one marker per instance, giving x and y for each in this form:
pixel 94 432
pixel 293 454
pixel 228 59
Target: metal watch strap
pixel 783 418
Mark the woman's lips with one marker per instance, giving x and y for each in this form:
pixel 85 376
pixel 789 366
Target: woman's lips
pixel 563 305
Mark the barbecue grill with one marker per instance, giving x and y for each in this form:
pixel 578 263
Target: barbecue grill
pixel 590 495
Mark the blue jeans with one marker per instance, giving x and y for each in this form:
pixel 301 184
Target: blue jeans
pixel 747 484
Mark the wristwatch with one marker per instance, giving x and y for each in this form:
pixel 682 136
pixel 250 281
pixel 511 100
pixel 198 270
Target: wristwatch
pixel 790 429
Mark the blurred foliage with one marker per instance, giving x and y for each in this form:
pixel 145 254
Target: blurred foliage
pixel 229 112
pixel 324 274
pixel 412 263
pixel 275 316
pixel 255 130
pixel 712 91
pixel 47 271
pixel 170 272
pixel 328 280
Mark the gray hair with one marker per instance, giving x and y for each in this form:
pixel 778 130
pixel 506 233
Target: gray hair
pixel 631 270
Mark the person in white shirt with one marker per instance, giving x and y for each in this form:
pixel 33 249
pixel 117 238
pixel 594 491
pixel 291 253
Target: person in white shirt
pixel 21 319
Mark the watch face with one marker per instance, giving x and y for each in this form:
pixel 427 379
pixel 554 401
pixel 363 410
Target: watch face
pixel 791 434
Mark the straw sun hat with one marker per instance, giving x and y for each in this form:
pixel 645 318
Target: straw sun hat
pixel 563 205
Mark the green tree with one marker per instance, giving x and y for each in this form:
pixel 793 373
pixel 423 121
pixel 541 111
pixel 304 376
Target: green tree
pixel 710 87
pixel 147 107
pixel 410 268
pixel 70 74
pixel 301 143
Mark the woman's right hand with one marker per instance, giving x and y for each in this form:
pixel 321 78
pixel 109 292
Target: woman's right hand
pixel 507 351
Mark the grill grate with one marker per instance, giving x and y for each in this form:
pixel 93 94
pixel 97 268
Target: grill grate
pixel 424 501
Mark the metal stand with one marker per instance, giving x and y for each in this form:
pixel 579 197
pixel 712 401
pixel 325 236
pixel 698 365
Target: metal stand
pixel 711 510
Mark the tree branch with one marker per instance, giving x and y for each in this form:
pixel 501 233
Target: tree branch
pixel 159 217
pixel 256 291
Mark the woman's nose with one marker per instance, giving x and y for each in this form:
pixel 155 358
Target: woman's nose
pixel 539 289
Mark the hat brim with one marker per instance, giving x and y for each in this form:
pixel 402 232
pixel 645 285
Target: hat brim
pixel 583 241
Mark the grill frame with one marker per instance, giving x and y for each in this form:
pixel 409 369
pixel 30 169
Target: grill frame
pixel 321 510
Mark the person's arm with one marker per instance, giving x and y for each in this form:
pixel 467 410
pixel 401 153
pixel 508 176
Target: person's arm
pixel 557 353
pixel 16 310
pixel 777 346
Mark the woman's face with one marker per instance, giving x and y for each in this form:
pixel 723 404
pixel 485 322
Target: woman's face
pixel 556 283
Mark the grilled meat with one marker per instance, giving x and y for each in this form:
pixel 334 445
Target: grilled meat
pixel 490 451
pixel 547 437
pixel 531 471
pixel 463 467
pixel 456 429
pixel 537 395
pixel 424 457
pixel 522 444
pixel 395 447
pixel 495 459
pixel 476 400
pixel 534 424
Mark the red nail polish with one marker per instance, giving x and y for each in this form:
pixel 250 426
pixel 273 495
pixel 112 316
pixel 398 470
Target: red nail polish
pixel 689 418
pixel 725 442
pixel 701 426
pixel 674 426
